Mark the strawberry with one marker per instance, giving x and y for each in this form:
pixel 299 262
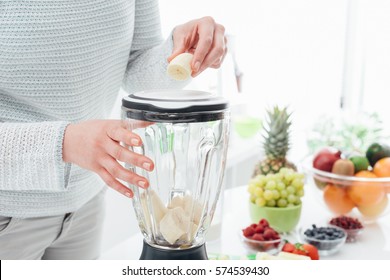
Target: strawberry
pixel 288 247
pixel 248 232
pixel 299 251
pixel 312 251
pixel 302 249
pixel 253 226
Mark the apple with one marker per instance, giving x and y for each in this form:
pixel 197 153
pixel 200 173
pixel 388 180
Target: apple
pixel 325 159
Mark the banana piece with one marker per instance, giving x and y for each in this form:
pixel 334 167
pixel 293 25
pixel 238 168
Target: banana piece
pixel 158 208
pixel 192 208
pixel 291 256
pixel 145 212
pixel 280 256
pixel 186 237
pixel 174 224
pixel 180 67
pixel 176 201
pixel 266 256
pixel 181 202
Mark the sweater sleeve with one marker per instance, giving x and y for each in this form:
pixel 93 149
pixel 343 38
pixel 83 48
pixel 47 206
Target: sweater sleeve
pixel 31 157
pixel 147 64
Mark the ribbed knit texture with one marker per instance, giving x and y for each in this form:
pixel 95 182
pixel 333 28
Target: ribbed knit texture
pixel 64 61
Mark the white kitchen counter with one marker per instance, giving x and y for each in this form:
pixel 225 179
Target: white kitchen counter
pixel 373 243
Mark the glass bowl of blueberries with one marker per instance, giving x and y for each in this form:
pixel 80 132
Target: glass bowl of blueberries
pixel 328 239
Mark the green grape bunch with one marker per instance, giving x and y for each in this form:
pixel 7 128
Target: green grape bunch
pixel 283 189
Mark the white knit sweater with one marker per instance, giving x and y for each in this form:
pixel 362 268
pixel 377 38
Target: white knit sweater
pixel 64 61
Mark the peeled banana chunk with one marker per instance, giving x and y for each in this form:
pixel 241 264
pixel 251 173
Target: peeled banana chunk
pixel 176 223
pixel 180 67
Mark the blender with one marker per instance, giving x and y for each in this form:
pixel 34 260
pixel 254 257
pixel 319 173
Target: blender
pixel 186 134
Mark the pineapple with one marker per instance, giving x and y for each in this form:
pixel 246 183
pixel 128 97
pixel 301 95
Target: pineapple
pixel 276 143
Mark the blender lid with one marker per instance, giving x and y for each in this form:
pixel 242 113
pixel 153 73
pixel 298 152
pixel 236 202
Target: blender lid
pixel 174 101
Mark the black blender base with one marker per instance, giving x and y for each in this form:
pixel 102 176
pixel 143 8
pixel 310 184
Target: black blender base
pixel 152 253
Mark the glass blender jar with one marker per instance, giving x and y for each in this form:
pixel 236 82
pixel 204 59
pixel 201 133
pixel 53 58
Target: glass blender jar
pixel 186 135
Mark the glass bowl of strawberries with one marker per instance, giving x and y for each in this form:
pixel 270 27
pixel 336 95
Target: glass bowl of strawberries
pixel 261 237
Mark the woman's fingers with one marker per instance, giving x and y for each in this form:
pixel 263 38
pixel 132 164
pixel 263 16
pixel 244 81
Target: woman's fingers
pixel 184 39
pixel 114 183
pixel 123 154
pixel 131 125
pixel 100 151
pixel 120 134
pixel 117 171
pixel 217 51
pixel 205 30
pixel 177 50
pixel 205 39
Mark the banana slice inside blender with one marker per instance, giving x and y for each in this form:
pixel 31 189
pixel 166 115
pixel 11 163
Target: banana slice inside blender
pixel 174 224
pixel 180 67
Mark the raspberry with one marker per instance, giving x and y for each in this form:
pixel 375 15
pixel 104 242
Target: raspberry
pixel 258 237
pixel 248 232
pixel 346 222
pixel 269 234
pixel 259 229
pixel 253 226
pixel 264 223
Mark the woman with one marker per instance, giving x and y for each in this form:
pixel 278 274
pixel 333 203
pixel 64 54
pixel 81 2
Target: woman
pixel 62 64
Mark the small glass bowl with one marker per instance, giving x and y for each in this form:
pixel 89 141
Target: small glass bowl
pixel 352 234
pixel 325 247
pixel 272 247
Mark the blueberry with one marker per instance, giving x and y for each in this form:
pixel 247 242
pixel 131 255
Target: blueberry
pixel 321 237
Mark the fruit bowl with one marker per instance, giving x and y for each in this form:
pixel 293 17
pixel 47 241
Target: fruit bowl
pixel 261 237
pixel 270 246
pixel 320 239
pixel 364 197
pixel 281 219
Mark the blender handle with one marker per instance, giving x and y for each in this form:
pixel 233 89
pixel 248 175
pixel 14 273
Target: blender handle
pixel 206 148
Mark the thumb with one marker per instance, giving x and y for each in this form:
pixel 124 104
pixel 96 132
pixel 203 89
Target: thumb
pixel 177 49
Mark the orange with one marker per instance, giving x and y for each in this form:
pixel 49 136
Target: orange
pixel 337 200
pixel 366 193
pixel 375 210
pixel 382 167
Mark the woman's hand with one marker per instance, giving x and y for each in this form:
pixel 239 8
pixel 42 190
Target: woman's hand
pixel 94 145
pixel 205 39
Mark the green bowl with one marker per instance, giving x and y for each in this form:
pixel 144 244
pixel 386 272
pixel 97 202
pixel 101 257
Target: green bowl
pixel 246 126
pixel 281 219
